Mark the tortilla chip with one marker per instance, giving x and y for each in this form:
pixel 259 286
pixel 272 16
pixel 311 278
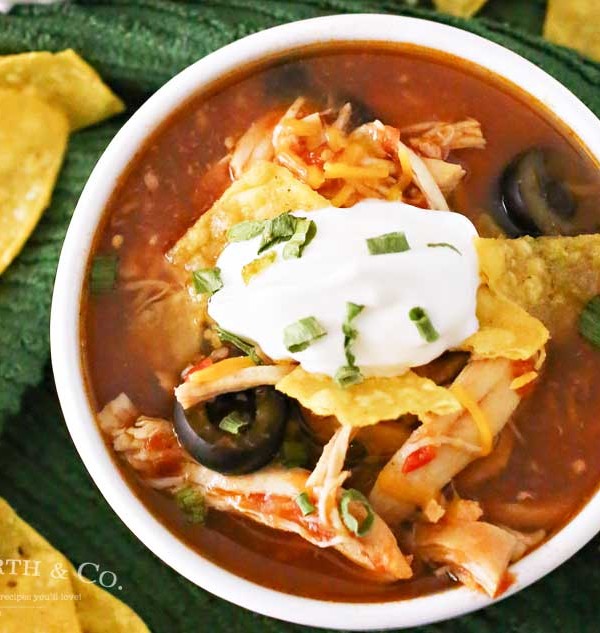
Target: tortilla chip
pixel 100 612
pixel 33 139
pixel 459 8
pixel 505 329
pixel 45 593
pixel 574 23
pixel 549 277
pixel 263 192
pixel 27 585
pixel 372 400
pixel 64 80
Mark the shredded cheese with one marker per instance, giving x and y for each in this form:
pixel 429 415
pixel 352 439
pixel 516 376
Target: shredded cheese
pixel 407 173
pixel 335 139
pixel 343 195
pixel 303 127
pixel 355 172
pixel 523 379
pixel 479 417
pixel 221 369
pixel 256 266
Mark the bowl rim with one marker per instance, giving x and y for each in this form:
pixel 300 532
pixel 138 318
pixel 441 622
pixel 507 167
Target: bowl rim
pixel 65 316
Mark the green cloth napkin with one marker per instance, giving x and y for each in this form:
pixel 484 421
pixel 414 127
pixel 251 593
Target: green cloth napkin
pixel 137 45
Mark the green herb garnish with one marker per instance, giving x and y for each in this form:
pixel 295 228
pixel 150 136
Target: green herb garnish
pixel 443 245
pixel 350 521
pixel 207 280
pixel 233 423
pixel 245 230
pixel 303 235
pixel 350 332
pixel 284 228
pixel 103 273
pixel 589 321
pixel 348 375
pixel 192 503
pixel 299 335
pixel 279 229
pixel 423 323
pixel 304 503
pixel 388 243
pixel 245 346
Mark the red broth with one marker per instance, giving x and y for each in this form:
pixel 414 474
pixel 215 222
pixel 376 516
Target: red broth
pixel 555 464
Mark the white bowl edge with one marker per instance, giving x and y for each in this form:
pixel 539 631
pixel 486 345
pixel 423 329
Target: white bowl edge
pixel 65 322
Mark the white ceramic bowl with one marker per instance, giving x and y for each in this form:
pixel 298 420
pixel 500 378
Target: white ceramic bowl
pixel 65 325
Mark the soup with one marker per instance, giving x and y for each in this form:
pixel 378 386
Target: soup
pixel 449 136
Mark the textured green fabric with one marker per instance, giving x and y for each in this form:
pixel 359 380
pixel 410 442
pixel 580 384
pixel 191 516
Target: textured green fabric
pixel 137 45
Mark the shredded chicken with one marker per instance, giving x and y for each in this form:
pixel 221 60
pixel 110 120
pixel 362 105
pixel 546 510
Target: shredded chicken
pixel 478 553
pixel 396 493
pixel 446 175
pixel 191 393
pixel 347 165
pixel 268 496
pixel 254 145
pixel 436 139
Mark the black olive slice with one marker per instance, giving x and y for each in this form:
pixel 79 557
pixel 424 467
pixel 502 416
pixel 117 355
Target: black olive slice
pixel 535 200
pixel 252 447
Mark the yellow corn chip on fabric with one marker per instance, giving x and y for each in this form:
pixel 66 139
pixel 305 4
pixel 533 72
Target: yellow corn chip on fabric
pixel 65 81
pixel 574 23
pixel 459 8
pixel 33 139
pixel 41 591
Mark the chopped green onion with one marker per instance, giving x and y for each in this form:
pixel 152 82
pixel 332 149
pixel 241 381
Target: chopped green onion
pixel 303 235
pixel 423 323
pixel 348 375
pixel 293 454
pixel 256 266
pixel 207 280
pixel 233 423
pixel 304 503
pixel 192 503
pixel 350 521
pixel 299 335
pixel 103 273
pixel 279 229
pixel 388 243
pixel 245 230
pixel 444 245
pixel 248 348
pixel 589 321
pixel 350 332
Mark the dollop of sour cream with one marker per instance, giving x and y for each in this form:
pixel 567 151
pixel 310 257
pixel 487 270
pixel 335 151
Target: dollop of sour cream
pixel 438 273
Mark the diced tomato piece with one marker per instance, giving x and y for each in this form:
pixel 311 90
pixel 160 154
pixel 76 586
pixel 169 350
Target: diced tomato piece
pixel 418 458
pixel 314 157
pixel 203 364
